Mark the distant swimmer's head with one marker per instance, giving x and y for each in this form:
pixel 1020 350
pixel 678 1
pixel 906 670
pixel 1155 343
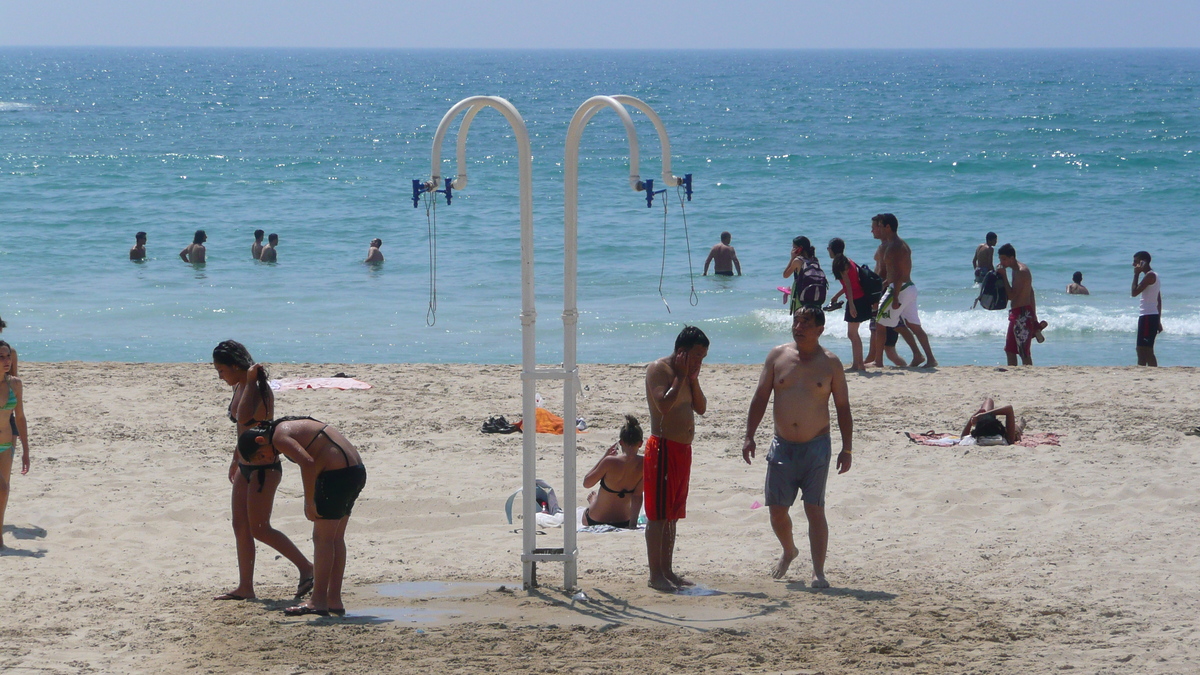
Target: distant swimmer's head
pixel 200 237
pixel 987 425
pixel 991 238
pixel 253 440
pixel 140 237
pixel 2 325
pixel 272 239
pixel 693 341
pixel 1077 277
pixel 726 238
pixel 631 432
pixel 259 234
pixel 376 243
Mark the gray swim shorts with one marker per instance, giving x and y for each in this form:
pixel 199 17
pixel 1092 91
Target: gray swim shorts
pixel 793 467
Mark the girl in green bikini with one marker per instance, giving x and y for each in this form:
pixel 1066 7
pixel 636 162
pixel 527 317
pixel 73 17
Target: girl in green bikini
pixel 11 397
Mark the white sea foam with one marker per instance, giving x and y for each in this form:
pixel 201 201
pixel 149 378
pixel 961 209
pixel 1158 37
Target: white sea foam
pixel 13 106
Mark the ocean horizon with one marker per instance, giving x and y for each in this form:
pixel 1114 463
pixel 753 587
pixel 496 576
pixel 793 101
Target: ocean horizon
pixel 1078 158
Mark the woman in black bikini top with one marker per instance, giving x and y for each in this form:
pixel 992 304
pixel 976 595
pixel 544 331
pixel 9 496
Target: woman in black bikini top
pixel 254 483
pixel 619 474
pixel 334 475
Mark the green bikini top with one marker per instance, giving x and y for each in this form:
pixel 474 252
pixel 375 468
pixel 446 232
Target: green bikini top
pixel 11 404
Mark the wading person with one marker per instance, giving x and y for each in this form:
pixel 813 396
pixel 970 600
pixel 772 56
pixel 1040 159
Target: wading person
pixel 1148 290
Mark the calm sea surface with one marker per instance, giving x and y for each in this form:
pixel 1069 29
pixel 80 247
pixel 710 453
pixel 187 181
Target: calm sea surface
pixel 1077 158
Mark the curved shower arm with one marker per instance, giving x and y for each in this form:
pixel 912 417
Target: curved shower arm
pixel 668 177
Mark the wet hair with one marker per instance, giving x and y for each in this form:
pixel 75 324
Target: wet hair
pixel 140 236
pixel 234 353
pixel 199 237
pixel 273 238
pixel 3 325
pixel 990 238
pixel 838 248
pixel 725 237
pixel 887 220
pixel 377 242
pixel 805 246
pixel 259 234
pixel 1077 277
pixel 631 432
pixel 247 445
pixel 1142 255
pixel 988 425
pixel 813 312
pixel 1007 250
pixel 689 337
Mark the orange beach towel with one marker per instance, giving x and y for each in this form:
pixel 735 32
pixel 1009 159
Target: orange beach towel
pixel 547 422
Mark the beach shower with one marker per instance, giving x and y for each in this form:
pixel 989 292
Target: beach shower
pixel 530 373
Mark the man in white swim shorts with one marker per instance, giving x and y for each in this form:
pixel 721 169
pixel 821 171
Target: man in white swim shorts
pixel 900 294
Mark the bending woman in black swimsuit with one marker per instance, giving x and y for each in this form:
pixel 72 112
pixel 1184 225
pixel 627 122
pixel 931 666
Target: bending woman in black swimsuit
pixel 333 475
pixel 254 483
pixel 619 473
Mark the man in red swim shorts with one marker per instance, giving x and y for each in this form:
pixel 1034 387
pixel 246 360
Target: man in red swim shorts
pixel 1023 324
pixel 674 396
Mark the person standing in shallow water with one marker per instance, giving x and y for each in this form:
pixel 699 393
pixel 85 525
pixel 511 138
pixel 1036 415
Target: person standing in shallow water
pixel 268 253
pixel 257 247
pixel 723 257
pixel 674 396
pixel 255 481
pixel 802 375
pixel 374 255
pixel 982 260
pixel 138 252
pixel 195 252
pixel 1076 286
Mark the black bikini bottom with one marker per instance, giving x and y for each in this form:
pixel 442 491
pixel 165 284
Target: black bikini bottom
pixel 249 470
pixel 587 518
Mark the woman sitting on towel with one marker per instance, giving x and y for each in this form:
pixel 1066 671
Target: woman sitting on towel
pixel 254 481
pixel 619 473
pixel 987 429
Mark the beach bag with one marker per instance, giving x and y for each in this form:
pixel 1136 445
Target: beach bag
pixel 811 286
pixel 992 294
pixel 870 283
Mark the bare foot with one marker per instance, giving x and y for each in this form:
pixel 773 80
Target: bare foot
pixel 661 585
pixel 819 581
pixel 785 561
pixel 235 594
pixel 852 369
pixel 917 361
pixel 678 580
pixel 931 363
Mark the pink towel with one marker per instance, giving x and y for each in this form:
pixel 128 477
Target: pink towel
pixel 290 383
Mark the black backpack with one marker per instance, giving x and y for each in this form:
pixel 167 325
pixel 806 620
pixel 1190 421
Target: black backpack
pixel 810 286
pixel 871 284
pixel 992 294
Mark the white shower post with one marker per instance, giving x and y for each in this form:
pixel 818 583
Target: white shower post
pixel 529 371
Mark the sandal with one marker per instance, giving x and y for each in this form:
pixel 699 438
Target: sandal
pixel 303 610
pixel 304 587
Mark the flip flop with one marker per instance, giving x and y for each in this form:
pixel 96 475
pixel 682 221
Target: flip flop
pixel 304 587
pixel 303 610
pixel 231 596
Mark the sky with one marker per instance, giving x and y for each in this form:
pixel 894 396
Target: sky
pixel 604 24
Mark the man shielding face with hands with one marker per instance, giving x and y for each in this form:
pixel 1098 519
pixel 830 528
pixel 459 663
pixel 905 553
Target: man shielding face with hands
pixel 675 398
pixel 802 375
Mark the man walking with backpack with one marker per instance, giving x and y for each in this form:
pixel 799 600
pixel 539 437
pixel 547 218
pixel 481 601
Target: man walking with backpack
pixel 809 284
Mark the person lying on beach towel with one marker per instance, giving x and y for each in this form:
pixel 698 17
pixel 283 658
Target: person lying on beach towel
pixel 987 429
pixel 619 473
pixel 295 383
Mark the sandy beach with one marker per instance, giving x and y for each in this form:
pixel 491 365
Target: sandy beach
pixel 1077 557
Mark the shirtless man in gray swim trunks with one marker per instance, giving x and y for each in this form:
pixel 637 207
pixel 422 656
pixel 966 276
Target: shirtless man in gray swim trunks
pixel 802 375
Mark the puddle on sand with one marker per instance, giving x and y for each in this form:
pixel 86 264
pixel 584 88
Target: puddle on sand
pixel 401 614
pixel 434 589
pixel 698 590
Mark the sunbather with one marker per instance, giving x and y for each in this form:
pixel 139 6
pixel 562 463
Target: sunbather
pixel 619 473
pixel 985 424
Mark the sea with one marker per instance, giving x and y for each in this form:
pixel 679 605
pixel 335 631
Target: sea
pixel 1077 158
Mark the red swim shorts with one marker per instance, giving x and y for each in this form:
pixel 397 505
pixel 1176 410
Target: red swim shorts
pixel 666 473
pixel 1022 324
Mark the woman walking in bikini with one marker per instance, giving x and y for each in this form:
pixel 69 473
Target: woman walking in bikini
pixel 11 403
pixel 254 482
